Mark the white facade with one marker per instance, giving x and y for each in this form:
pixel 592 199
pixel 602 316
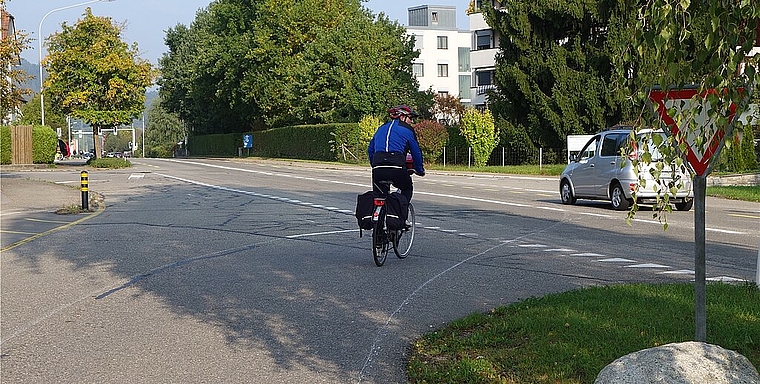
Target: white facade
pixel 484 43
pixel 443 63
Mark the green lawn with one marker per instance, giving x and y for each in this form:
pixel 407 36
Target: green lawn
pixel 570 337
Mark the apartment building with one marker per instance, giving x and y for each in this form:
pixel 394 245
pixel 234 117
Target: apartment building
pixel 444 61
pixel 485 44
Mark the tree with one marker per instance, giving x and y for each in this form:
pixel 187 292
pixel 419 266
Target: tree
pixel 94 75
pixel 11 78
pixel 480 132
pixel 447 109
pixel 164 130
pixel 30 114
pixel 244 66
pixel 554 67
pixel 705 44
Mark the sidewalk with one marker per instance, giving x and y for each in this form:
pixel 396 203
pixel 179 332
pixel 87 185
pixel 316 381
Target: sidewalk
pixel 21 192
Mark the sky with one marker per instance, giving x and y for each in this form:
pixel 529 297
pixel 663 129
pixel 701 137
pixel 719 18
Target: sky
pixel 147 20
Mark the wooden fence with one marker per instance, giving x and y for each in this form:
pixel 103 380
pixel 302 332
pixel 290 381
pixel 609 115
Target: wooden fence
pixel 21 144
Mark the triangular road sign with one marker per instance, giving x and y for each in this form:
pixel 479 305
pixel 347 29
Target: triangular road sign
pixel 675 102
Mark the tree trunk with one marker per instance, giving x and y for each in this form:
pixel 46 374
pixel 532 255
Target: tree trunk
pixel 96 141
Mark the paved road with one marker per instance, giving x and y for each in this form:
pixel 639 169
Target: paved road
pixel 226 271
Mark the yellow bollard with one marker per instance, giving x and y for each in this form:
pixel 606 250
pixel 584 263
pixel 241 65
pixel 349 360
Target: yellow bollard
pixel 85 190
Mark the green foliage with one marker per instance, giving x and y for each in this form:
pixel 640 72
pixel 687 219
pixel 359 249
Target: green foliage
pixel 44 144
pixel 94 75
pixel 680 43
pixel 554 67
pixel 109 163
pixel 6 156
pixel 517 140
pixel 163 131
pixel 738 155
pixel 311 142
pixel 480 132
pixel 432 137
pixel 248 66
pixel 308 142
pixel 30 112
pixel 350 141
pixel 11 77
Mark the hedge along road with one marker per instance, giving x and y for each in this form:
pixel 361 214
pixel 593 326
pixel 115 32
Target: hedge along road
pixel 208 270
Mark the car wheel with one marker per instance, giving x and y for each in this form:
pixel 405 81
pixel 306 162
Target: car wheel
pixel 618 199
pixel 685 205
pixel 566 193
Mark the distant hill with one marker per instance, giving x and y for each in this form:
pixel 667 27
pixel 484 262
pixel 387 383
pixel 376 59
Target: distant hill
pixel 34 71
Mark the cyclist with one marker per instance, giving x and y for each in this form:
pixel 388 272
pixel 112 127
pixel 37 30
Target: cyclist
pixel 388 149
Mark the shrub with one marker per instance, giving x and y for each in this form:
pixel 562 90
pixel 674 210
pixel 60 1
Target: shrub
pixel 481 134
pixel 350 141
pixel 44 144
pixel 5 145
pixel 432 137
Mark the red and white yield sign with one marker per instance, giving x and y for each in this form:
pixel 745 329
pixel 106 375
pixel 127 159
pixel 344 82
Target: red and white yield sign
pixel 705 138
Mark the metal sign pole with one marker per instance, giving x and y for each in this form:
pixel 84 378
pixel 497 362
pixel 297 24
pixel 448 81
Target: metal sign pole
pixel 700 289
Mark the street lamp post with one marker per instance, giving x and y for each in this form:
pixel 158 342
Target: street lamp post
pixel 39 40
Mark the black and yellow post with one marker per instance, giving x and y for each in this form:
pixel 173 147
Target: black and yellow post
pixel 85 191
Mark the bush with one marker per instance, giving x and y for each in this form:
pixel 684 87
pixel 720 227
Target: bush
pixel 5 145
pixel 44 144
pixel 350 141
pixel 432 137
pixel 481 134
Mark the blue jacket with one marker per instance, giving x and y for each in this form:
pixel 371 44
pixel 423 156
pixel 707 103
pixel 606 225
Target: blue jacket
pixel 396 136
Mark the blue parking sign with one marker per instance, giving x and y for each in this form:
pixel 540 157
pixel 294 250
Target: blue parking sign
pixel 248 141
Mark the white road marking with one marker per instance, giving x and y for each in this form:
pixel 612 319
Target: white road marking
pixel 647 265
pixel 616 260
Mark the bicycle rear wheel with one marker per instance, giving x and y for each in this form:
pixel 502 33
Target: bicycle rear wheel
pixel 404 238
pixel 379 243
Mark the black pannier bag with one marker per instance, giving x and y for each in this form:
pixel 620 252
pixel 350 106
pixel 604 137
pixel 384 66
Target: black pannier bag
pixel 396 211
pixel 365 205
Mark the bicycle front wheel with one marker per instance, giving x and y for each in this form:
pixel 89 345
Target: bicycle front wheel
pixel 402 243
pixel 379 243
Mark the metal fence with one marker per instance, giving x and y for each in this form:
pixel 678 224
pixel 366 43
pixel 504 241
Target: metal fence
pixel 503 156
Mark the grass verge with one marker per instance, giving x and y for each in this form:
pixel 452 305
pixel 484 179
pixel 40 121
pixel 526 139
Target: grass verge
pixel 544 170
pixel 109 163
pixel 746 193
pixel 570 337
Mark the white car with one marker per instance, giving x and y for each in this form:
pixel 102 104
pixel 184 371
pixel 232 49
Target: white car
pixel 597 172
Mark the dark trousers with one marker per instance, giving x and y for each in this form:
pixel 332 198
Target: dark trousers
pixel 399 176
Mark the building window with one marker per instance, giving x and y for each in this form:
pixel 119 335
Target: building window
pixel 484 77
pixel 418 69
pixel 417 42
pixel 443 42
pixel 434 17
pixel 464 86
pixel 443 70
pixel 464 59
pixel 443 93
pixel 483 39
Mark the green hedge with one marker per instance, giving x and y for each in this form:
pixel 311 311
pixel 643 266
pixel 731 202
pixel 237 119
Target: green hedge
pixel 44 144
pixel 5 145
pixel 309 142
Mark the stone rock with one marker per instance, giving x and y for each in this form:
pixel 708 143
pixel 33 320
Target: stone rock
pixel 680 363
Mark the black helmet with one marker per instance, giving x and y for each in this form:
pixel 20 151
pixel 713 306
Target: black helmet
pixel 401 110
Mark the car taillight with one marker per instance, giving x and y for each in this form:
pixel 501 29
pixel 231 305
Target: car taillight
pixel 632 186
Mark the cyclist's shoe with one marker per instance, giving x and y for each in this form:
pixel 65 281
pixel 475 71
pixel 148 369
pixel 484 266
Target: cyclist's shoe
pixel 407 225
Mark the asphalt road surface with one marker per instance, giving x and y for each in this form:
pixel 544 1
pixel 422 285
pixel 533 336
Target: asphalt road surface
pixel 254 271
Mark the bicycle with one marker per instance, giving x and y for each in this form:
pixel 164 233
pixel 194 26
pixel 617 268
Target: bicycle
pixel 384 238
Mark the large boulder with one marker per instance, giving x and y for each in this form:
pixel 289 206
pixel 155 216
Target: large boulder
pixel 680 363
